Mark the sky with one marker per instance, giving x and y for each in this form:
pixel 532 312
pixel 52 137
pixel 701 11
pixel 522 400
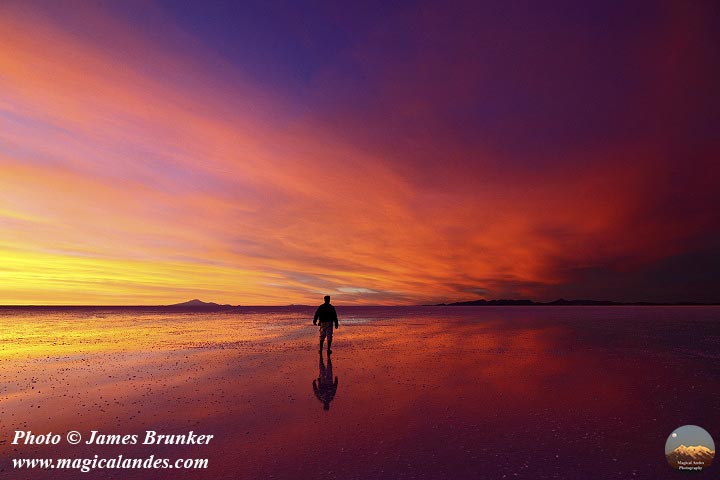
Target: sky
pixel 269 153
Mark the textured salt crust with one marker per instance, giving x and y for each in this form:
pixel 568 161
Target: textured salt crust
pixel 422 393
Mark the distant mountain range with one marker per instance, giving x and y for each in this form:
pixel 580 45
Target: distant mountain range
pixel 696 455
pixel 196 304
pixel 199 304
pixel 558 302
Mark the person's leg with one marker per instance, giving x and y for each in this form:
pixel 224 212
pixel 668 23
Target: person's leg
pixel 322 337
pixel 329 337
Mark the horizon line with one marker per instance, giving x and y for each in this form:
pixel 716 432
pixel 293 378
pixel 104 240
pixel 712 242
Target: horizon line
pixel 478 302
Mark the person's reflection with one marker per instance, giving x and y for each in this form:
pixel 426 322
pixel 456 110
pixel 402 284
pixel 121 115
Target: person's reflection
pixel 324 386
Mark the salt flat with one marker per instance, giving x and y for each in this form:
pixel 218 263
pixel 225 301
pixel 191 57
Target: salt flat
pixel 425 392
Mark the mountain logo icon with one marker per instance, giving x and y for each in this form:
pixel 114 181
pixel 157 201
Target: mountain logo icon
pixel 690 448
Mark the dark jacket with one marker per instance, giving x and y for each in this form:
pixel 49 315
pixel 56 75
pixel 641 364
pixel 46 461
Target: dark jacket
pixel 326 313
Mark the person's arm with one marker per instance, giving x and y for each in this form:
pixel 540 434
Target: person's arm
pixel 317 314
pixel 335 317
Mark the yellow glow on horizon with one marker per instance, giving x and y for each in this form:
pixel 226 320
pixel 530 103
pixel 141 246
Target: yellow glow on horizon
pixel 60 279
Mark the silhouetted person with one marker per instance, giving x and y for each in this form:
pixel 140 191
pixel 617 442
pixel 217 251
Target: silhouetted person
pixel 327 316
pixel 324 386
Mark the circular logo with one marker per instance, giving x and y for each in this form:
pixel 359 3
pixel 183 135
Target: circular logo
pixel 689 449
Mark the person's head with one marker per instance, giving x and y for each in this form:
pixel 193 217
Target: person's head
pixel 327 298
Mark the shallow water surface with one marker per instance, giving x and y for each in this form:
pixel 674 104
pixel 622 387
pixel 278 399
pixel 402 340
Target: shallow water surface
pixel 426 392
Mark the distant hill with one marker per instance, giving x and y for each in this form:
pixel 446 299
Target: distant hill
pixel 199 304
pixel 558 302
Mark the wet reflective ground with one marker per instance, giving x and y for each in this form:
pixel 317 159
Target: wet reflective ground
pixel 435 392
